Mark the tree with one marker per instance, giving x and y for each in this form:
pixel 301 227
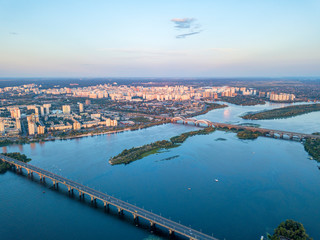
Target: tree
pixel 290 230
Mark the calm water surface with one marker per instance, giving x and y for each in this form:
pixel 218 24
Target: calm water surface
pixel 261 183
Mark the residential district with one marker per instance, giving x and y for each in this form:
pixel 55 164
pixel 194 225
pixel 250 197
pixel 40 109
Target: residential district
pixel 31 111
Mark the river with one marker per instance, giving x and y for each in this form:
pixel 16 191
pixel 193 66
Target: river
pixel 261 183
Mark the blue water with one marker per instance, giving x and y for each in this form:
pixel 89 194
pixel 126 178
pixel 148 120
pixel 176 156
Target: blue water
pixel 261 183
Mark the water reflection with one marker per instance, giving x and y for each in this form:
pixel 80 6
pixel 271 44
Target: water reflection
pixel 4 149
pixel 33 146
pixel 226 114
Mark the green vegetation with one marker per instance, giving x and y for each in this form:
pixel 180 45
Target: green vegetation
pixel 21 157
pixel 248 134
pixel 312 146
pixel 182 137
pixel 140 119
pixel 243 100
pixel 136 153
pixel 290 230
pixel 284 112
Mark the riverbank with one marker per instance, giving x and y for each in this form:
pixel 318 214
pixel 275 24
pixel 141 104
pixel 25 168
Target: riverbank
pixel 75 135
pixel 130 155
pixel 312 146
pixel 285 112
pixel 4 166
pixel 26 140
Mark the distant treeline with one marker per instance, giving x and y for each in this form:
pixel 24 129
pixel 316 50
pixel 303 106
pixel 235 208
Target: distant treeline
pixel 243 100
pixel 284 112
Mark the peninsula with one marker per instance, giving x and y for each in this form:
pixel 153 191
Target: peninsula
pixel 284 112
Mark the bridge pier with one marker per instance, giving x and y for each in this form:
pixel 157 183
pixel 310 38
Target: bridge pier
pixel 93 199
pixel 171 232
pixel 106 205
pixel 120 211
pixel 135 218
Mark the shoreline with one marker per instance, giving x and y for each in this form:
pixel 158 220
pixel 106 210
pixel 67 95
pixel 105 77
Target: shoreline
pixel 209 107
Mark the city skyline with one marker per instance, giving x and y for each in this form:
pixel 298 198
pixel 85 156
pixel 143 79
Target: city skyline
pixel 165 39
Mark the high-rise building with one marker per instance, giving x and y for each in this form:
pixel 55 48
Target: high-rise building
pixel 40 129
pixel 15 113
pixel 18 124
pixel 88 102
pixel 81 107
pixel 76 125
pixel 2 126
pixel 42 111
pixel 47 107
pixel 66 109
pixel 31 127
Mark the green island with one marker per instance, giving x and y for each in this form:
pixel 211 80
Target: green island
pixel 243 100
pixel 248 135
pixel 289 230
pixel 21 157
pixel 312 146
pixel 129 155
pixel 284 112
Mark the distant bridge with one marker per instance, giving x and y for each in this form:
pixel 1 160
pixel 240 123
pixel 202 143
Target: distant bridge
pixel 263 131
pixel 154 219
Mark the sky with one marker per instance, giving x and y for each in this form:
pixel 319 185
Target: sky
pixel 167 38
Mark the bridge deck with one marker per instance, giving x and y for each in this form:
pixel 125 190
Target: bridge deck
pixel 105 198
pixel 255 129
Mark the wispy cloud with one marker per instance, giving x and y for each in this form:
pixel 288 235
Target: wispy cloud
pixel 13 33
pixel 187 34
pixel 189 26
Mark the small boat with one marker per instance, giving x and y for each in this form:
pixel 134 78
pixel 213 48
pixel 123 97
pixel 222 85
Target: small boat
pixel 216 180
pixel 189 188
pixel 43 192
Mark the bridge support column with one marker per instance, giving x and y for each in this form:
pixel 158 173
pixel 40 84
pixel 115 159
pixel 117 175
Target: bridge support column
pixel 80 194
pixel 171 232
pixel 120 211
pixel 40 177
pixel 152 226
pixel 54 184
pixel 106 206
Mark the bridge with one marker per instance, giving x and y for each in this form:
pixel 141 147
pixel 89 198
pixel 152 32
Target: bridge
pixel 263 131
pixel 107 200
